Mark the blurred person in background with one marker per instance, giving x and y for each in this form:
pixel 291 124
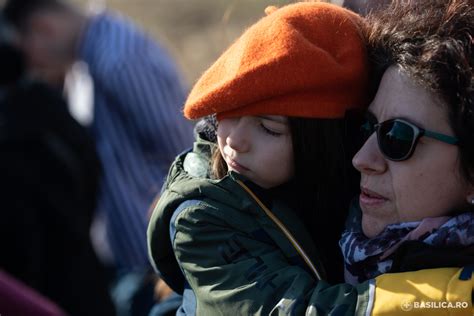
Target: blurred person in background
pixel 137 125
pixel 50 176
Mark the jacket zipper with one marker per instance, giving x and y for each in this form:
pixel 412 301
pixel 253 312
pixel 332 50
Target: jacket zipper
pixel 285 231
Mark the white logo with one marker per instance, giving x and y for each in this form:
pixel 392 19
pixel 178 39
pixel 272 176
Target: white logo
pixel 406 306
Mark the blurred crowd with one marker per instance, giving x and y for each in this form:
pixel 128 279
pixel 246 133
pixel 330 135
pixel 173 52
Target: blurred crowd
pixel 79 176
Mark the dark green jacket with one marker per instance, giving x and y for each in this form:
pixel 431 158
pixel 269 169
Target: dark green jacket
pixel 239 256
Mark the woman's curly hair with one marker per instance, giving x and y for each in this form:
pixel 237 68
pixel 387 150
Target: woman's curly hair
pixel 432 42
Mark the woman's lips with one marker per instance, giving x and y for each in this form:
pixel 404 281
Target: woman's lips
pixel 234 165
pixel 370 198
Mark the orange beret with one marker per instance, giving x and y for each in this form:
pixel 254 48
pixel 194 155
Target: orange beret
pixel 303 60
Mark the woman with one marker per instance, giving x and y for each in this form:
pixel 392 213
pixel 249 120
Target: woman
pixel 417 165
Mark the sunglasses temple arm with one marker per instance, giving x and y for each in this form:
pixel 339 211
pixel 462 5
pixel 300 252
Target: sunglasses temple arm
pixel 441 137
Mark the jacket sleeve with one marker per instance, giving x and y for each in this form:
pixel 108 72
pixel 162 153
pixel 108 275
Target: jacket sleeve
pixel 231 273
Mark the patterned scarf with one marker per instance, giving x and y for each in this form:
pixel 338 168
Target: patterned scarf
pixel 365 258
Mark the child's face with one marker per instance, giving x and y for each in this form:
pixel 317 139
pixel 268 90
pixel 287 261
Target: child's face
pixel 258 147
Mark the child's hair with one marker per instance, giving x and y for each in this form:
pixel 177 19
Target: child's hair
pixel 218 165
pixel 325 184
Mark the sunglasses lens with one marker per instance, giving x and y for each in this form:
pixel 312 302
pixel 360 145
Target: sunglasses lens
pixel 395 139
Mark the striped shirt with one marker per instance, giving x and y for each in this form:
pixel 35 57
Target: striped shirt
pixel 138 127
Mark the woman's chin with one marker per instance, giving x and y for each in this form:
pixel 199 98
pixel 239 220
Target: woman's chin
pixel 371 227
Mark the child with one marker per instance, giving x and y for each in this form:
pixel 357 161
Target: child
pixel 238 232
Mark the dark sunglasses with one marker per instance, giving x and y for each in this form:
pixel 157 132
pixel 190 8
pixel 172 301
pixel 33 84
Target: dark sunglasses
pixel 397 138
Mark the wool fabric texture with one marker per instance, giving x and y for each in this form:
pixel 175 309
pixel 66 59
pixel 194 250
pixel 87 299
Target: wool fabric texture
pixel 302 60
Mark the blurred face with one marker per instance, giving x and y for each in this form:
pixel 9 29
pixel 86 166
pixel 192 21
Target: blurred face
pixel 46 44
pixel 428 184
pixel 258 147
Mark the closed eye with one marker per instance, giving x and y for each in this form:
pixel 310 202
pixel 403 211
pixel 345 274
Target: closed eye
pixel 269 131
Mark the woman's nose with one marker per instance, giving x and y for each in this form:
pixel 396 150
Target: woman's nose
pixel 369 159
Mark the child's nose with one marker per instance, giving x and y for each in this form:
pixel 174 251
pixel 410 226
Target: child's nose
pixel 239 138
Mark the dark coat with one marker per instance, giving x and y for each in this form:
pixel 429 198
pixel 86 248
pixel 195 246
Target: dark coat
pixel 49 180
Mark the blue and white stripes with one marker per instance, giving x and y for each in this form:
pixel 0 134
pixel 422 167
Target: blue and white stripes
pixel 138 127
